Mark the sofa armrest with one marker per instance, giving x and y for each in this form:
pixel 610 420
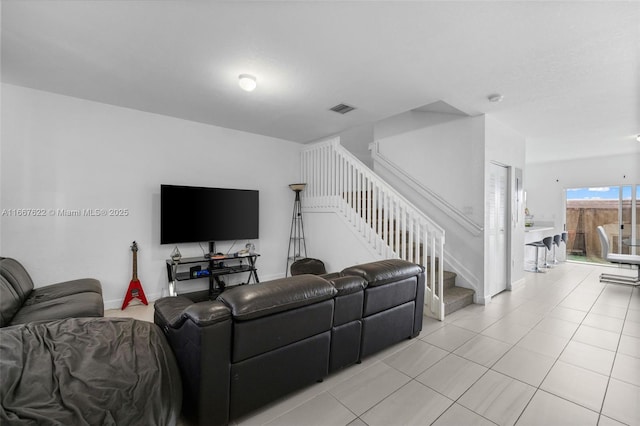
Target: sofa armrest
pixel 63 289
pixel 174 311
pixel 168 310
pixel 207 313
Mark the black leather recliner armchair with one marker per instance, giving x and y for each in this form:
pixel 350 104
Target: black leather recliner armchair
pixel 259 342
pixel 21 303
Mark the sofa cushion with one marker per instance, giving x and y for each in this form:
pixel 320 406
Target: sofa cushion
pixel 76 305
pixel 264 378
pixel 17 276
pixel 347 284
pixel 349 300
pixel 257 300
pixel 379 298
pixel 255 337
pixel 330 275
pixel 345 345
pixel 68 288
pixel 387 328
pixel 9 302
pixel 384 271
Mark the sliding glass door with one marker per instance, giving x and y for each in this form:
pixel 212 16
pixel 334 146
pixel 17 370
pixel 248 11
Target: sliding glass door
pixel 615 208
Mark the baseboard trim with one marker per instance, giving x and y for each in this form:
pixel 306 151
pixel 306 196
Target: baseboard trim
pixel 481 300
pixel 517 284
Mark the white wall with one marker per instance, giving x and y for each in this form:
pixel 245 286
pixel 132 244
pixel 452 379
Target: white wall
pixel 330 239
pixel 357 140
pixel 410 121
pixel 446 156
pixel 59 152
pixel 450 155
pixel 545 182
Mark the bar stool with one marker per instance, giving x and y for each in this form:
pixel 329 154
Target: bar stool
pixel 537 245
pixel 556 243
pixel 547 243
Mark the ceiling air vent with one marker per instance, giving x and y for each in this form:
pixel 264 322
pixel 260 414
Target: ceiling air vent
pixel 342 108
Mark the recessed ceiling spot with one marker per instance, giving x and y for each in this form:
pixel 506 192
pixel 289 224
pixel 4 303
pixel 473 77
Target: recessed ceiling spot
pixel 342 108
pixel 247 82
pixel 496 97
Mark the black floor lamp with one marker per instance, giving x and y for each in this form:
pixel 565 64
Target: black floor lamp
pixel 297 245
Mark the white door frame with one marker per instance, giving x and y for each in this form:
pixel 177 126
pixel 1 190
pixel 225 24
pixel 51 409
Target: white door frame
pixel 507 231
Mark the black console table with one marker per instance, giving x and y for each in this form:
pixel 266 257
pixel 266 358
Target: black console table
pixel 190 268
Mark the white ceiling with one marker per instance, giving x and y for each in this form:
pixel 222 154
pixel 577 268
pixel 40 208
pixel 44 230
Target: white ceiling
pixel 569 71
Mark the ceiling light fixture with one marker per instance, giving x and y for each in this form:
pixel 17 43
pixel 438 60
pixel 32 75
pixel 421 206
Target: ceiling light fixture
pixel 247 82
pixel 638 137
pixel 496 97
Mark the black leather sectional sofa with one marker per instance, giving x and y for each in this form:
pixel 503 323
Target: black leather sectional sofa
pixel 256 343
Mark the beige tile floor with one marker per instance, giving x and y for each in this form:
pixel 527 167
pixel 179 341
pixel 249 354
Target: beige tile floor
pixel 563 349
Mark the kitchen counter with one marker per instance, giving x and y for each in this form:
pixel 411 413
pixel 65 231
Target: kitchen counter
pixel 538 228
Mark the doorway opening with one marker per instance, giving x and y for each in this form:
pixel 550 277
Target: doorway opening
pixel 615 208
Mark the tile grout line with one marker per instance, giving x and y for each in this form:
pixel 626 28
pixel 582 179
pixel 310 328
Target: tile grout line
pixel 563 349
pixel 537 388
pixel 490 368
pixel 615 356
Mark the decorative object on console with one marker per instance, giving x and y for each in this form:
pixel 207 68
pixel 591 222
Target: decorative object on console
pixel 176 255
pixel 528 218
pixel 135 287
pixel 297 244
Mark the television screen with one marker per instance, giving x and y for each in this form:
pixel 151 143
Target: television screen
pixel 195 214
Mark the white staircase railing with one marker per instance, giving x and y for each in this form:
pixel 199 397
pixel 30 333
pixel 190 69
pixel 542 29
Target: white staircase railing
pixel 392 226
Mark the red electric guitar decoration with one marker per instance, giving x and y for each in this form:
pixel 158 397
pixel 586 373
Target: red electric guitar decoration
pixel 135 288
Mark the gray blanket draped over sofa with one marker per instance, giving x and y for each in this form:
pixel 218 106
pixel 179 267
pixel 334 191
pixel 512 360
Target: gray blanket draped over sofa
pixel 87 371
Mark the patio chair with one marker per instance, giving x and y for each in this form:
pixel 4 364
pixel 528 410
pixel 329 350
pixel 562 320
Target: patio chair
pixel 623 259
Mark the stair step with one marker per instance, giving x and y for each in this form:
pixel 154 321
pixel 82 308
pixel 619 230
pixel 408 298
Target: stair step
pixel 449 279
pixel 456 298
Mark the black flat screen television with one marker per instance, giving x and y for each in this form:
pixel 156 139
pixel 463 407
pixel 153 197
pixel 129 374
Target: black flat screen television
pixel 191 214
